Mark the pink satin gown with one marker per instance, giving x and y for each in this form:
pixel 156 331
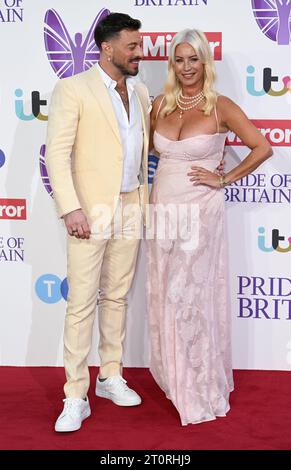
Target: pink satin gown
pixel 187 289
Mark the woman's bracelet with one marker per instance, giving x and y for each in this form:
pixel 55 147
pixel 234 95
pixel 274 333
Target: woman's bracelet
pixel 222 181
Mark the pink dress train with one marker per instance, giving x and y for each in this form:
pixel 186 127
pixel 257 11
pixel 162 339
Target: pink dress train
pixel 187 289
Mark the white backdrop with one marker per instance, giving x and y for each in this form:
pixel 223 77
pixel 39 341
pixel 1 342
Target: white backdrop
pixel 253 68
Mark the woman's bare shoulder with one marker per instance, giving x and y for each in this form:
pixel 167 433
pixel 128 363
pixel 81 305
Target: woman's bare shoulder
pixel 225 104
pixel 158 100
pixel 157 105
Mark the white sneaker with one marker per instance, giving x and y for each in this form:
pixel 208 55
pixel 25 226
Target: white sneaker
pixel 74 412
pixel 114 388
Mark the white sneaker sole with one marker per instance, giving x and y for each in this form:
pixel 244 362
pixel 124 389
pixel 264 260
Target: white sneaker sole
pixel 110 396
pixel 61 428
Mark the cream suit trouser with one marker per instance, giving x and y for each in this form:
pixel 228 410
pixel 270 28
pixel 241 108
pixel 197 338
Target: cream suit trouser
pixel 106 266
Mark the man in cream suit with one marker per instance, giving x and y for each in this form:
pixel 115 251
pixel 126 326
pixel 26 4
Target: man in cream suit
pixel 97 146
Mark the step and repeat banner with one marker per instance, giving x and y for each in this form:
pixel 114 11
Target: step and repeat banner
pixel 251 43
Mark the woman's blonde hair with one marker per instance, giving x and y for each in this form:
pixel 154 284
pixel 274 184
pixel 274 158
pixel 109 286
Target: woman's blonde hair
pixel 198 41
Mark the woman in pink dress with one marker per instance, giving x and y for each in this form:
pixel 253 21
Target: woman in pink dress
pixel 187 283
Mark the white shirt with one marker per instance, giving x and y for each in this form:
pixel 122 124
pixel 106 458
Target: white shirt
pixel 131 130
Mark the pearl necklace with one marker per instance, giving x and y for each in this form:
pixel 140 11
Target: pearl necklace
pixel 185 103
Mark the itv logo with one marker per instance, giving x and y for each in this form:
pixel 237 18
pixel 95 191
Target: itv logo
pixel 275 243
pixel 268 79
pixel 36 104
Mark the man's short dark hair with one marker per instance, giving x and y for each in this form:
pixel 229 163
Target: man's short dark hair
pixel 111 26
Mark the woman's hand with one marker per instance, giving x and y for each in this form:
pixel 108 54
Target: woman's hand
pixel 220 169
pixel 200 175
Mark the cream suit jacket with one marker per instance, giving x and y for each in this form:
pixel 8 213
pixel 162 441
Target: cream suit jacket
pixel 84 154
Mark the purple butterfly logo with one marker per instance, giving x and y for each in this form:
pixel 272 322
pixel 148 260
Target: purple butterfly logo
pixel 66 56
pixel 274 19
pixel 43 171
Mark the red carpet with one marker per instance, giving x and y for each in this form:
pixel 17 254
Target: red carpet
pixel 260 415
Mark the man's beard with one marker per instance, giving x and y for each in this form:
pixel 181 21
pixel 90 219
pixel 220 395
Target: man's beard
pixel 123 69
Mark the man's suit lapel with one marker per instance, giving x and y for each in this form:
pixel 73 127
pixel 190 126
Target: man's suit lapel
pixel 101 94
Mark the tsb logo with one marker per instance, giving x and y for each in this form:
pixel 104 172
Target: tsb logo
pixel 2 158
pixel 51 289
pixel 156 46
pixel 13 209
